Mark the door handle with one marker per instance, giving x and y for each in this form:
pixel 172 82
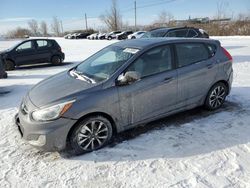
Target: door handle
pixel 168 79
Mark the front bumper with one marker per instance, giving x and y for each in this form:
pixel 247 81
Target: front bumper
pixel 47 136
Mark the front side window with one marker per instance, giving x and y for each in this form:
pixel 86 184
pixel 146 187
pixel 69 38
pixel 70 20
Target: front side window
pixel 25 46
pixel 189 53
pixel 104 63
pixel 154 61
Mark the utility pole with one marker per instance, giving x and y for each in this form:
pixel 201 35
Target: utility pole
pixel 61 26
pixel 135 15
pixel 86 21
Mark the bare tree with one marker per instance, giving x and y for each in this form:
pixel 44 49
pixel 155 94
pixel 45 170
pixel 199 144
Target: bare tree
pixel 112 18
pixel 19 33
pixel 33 27
pixel 222 7
pixel 44 28
pixel 55 26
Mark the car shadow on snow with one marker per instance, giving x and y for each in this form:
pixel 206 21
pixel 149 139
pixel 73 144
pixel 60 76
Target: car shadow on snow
pixel 188 133
pixel 234 47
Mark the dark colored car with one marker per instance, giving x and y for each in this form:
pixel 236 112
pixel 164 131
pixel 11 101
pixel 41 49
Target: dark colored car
pixel 124 85
pixel 82 35
pixel 33 51
pixel 124 35
pixel 3 74
pixel 185 32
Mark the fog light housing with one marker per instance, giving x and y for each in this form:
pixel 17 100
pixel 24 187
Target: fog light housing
pixel 41 141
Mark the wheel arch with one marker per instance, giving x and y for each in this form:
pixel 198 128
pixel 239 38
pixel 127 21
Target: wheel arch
pixel 94 114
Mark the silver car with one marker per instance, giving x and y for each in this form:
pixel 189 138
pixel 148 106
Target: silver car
pixel 121 86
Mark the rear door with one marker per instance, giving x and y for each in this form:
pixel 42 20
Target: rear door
pixel 196 72
pixel 155 93
pixel 43 50
pixel 25 53
pixel 177 33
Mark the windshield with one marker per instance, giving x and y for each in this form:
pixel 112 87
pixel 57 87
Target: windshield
pixel 154 33
pixel 104 63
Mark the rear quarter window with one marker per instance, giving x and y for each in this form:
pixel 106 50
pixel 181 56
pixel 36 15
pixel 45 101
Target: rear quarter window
pixel 189 53
pixel 212 49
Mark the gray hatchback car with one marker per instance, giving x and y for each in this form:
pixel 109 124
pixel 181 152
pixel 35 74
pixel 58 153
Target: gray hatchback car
pixel 121 86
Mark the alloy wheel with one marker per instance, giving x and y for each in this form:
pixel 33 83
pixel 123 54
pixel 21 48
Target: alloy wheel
pixel 92 135
pixel 217 96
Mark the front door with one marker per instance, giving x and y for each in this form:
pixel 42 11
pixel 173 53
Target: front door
pixel 155 93
pixel 25 53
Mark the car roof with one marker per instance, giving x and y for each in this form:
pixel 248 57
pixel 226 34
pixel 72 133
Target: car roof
pixel 171 28
pixel 148 42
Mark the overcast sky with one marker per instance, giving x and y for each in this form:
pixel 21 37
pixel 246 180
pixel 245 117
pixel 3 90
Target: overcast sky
pixel 15 13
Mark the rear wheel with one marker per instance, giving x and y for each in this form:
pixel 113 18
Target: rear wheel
pixel 9 65
pixel 216 96
pixel 133 37
pixel 56 60
pixel 90 134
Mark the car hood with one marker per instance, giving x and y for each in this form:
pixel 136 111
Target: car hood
pixel 56 89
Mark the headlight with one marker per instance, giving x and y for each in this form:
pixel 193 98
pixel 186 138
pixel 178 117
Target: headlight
pixel 52 112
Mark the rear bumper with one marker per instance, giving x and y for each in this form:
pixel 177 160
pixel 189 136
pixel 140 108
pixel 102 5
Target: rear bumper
pixel 47 136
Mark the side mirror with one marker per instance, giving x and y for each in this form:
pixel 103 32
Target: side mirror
pixel 128 78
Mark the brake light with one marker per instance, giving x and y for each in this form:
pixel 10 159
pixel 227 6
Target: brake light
pixel 227 54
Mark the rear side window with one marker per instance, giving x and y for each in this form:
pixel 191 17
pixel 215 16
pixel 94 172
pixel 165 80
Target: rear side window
pixel 177 33
pixel 189 53
pixel 192 33
pixel 212 49
pixel 43 43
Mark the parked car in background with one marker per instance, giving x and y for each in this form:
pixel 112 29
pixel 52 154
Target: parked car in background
pixel 82 35
pixel 67 36
pixel 136 35
pixel 112 35
pixel 123 35
pixel 33 51
pixel 3 74
pixel 93 36
pixel 186 32
pixel 124 85
pixel 101 36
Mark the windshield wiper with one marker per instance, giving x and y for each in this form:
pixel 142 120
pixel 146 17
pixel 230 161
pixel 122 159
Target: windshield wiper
pixel 79 75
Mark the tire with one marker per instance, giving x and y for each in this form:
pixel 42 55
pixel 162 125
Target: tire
pixel 133 37
pixel 90 134
pixel 109 38
pixel 216 96
pixel 56 60
pixel 9 65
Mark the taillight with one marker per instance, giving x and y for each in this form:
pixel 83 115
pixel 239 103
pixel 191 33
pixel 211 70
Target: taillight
pixel 227 54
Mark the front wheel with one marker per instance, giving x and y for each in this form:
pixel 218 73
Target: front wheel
pixel 216 96
pixel 90 134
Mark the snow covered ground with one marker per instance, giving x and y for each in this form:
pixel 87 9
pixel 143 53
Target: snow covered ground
pixel 191 149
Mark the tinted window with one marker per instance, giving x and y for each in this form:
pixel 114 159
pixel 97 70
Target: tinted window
pixel 25 46
pixel 212 49
pixel 192 33
pixel 154 61
pixel 154 33
pixel 189 53
pixel 177 33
